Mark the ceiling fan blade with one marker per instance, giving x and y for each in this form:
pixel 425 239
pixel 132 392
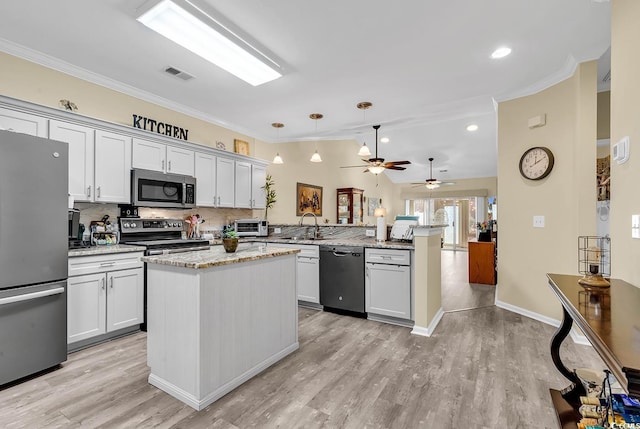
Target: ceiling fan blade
pixel 397 163
pixel 365 171
pixel 352 166
pixel 393 167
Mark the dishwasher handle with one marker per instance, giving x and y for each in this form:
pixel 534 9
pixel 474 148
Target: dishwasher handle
pixel 339 253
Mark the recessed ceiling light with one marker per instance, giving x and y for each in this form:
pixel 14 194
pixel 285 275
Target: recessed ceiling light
pixel 472 127
pixel 384 139
pixel 501 52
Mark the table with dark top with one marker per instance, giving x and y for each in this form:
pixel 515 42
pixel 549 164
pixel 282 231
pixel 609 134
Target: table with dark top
pixel 610 320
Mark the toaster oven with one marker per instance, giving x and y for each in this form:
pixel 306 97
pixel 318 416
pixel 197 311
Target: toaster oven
pixel 252 227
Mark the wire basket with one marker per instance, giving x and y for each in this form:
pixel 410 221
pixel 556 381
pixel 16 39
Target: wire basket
pixel 594 261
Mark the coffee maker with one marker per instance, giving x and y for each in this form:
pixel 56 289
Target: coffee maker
pixel 75 230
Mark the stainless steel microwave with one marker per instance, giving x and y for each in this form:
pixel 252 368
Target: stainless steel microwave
pixel 155 189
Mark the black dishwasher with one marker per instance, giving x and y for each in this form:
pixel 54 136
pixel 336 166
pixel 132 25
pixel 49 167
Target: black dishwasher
pixel 342 278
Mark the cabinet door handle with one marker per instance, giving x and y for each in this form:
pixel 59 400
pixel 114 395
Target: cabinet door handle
pixel 98 192
pixel 163 165
pixel 89 191
pixel 367 271
pixel 111 282
pixel 102 282
pixel 169 169
pixel 107 264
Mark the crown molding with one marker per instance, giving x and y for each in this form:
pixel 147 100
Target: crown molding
pixel 61 66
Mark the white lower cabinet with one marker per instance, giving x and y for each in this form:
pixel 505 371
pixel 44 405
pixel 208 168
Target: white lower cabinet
pixel 307 271
pixel 107 300
pixel 388 283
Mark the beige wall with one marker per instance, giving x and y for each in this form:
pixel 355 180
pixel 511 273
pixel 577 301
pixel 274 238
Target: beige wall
pixel 328 174
pixel 625 121
pixel 567 197
pixel 604 114
pixel 28 81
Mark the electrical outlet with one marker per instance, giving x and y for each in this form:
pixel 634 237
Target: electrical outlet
pixel 371 232
pixel 538 221
pixel 277 230
pixel 635 226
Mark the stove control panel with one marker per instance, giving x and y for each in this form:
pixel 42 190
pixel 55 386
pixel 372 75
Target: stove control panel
pixel 150 225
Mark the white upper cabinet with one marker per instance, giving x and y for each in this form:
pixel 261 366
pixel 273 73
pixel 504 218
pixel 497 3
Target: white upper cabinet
pixel 24 123
pixel 258 179
pixel 160 157
pixel 250 178
pixel 81 150
pixel 180 161
pixel 225 170
pixel 149 155
pixel 243 185
pixel 205 174
pixel 112 168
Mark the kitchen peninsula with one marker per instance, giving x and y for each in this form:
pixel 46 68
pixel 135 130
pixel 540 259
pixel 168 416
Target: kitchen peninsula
pixel 216 319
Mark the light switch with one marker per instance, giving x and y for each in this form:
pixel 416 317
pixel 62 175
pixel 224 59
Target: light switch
pixel 538 221
pixel 277 230
pixel 370 232
pixel 635 226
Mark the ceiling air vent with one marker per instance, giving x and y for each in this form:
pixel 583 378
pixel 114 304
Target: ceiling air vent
pixel 178 73
pixel 607 77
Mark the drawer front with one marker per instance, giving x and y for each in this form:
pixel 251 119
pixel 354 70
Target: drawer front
pixel 307 250
pixel 102 263
pixel 388 256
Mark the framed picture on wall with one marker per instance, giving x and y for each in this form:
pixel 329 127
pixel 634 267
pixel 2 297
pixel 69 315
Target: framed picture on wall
pixel 308 199
pixel 241 147
pixel 374 203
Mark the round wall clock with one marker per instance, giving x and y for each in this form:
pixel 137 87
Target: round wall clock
pixel 536 163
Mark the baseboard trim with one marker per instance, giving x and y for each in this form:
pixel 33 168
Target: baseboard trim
pixel 428 331
pixel 576 335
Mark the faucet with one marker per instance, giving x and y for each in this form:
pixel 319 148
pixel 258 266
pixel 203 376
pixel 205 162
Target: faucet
pixel 316 233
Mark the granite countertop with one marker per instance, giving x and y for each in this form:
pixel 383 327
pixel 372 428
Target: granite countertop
pixel 105 250
pixel 364 242
pixel 217 256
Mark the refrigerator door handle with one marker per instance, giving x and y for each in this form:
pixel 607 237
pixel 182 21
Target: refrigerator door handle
pixel 30 296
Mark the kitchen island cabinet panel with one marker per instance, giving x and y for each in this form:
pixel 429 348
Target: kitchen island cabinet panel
pixel 216 320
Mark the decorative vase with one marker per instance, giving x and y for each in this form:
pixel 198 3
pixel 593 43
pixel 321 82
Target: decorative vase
pixel 230 244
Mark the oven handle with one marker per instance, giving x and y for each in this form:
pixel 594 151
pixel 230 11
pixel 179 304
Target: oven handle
pixel 30 296
pixel 179 250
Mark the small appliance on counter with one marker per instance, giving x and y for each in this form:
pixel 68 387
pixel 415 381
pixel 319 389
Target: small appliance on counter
pixel 251 227
pixel 402 229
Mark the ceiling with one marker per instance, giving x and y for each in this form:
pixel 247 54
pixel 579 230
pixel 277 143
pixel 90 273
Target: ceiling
pixel 425 66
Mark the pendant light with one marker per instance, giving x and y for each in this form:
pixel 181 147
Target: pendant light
pixel 364 150
pixel 277 159
pixel 316 156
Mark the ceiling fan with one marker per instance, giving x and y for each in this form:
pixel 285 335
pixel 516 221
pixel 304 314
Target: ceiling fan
pixel 432 183
pixel 377 165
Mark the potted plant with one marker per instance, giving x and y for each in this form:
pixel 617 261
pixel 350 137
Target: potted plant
pixel 270 194
pixel 230 240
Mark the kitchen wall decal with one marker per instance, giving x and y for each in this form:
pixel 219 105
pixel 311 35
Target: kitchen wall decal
pixel 241 147
pixel 308 199
pixel 159 127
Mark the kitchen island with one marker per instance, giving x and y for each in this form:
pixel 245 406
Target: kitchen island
pixel 216 319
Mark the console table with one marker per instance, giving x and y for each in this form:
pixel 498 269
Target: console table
pixel 610 320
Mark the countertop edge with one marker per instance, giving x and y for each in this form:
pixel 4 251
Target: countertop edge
pixel 209 259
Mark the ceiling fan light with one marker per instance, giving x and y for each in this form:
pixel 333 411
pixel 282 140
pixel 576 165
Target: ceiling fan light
pixel 316 157
pixel 364 150
pixel 432 185
pixel 375 169
pixel 278 159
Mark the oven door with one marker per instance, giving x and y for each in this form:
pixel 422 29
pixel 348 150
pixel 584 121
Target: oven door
pixel 155 189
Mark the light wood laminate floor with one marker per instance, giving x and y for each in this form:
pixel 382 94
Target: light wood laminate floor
pixel 457 293
pixel 483 368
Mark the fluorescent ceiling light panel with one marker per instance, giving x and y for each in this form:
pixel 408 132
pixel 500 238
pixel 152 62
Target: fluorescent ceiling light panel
pixel 183 28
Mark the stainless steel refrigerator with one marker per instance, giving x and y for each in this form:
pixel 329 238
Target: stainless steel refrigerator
pixel 33 254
